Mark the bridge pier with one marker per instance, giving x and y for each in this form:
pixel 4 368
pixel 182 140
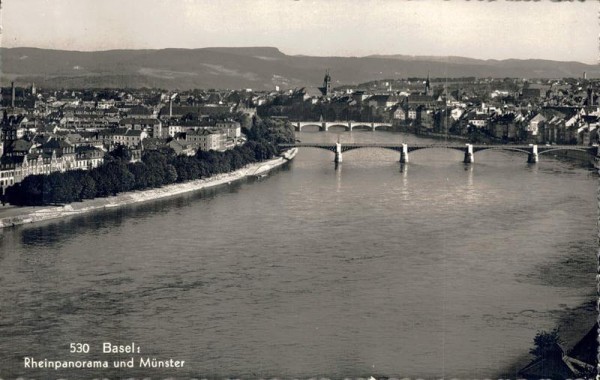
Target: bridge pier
pixel 404 154
pixel 533 155
pixel 338 153
pixel 469 154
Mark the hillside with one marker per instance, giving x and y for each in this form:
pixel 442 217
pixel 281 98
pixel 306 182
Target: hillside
pixel 259 68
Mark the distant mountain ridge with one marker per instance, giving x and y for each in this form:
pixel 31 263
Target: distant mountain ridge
pixel 259 68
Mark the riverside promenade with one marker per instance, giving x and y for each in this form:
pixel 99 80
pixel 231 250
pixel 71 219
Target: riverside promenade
pixel 11 216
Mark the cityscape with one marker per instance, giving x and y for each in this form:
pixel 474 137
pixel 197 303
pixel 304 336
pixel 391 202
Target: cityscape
pixel 274 206
pixel 44 131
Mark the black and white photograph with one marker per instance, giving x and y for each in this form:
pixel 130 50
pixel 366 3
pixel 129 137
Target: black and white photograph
pixel 299 189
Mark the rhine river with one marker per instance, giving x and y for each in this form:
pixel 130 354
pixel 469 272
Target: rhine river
pixel 438 270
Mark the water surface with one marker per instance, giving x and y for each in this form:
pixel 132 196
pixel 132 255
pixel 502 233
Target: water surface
pixel 434 270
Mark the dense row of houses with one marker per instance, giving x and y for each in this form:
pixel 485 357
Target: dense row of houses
pixel 93 123
pixel 547 111
pixel 49 134
pixel 22 158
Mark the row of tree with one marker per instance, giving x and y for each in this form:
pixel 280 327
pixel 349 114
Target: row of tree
pixel 156 168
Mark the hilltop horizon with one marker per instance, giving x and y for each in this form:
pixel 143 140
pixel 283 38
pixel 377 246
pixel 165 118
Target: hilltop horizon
pixel 398 55
pixel 500 30
pixel 260 67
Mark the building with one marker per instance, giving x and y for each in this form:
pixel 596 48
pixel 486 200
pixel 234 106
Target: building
pixel 428 89
pixel 105 104
pixel 579 362
pixel 425 119
pixel 88 157
pixel 400 113
pixel 55 155
pixel 503 127
pixel 178 112
pixel 421 100
pixel 173 130
pixel 182 147
pixel 151 126
pixel 535 124
pixel 140 112
pixel 478 120
pixel 206 139
pixel 128 137
pixel 414 113
pixel 12 132
pixel 232 129
pixel 383 101
pixel 326 89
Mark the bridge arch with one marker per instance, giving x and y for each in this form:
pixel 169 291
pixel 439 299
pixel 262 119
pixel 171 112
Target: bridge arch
pixel 349 148
pixel 301 126
pixel 381 126
pixel 588 151
pixel 532 151
pixel 506 148
pixel 321 147
pixel 338 125
pixel 362 126
pixel 458 148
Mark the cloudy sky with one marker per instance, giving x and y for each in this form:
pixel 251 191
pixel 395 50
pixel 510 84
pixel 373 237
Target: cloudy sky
pixel 565 31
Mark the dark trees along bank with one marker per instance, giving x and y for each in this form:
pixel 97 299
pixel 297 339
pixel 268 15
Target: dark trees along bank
pixel 156 168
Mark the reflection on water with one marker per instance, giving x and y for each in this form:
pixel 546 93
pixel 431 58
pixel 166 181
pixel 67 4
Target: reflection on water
pixel 369 268
pixel 47 234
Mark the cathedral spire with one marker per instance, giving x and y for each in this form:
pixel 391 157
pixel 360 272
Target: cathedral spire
pixel 326 89
pixel 428 90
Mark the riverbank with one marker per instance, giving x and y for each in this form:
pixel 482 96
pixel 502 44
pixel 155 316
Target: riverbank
pixel 14 216
pixel 432 135
pixel 575 268
pixel 572 325
pixel 575 156
pixel 441 136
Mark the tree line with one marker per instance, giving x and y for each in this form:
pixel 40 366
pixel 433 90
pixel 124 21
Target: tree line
pixel 156 168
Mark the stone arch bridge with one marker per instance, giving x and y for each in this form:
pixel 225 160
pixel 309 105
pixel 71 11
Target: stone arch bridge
pixel 348 125
pixel 532 151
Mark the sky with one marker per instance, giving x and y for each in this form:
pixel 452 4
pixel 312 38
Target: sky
pixel 565 31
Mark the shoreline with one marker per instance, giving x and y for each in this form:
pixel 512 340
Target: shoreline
pixel 43 213
pixel 572 324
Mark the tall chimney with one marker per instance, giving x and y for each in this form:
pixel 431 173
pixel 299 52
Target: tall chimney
pixel 170 107
pixel 12 102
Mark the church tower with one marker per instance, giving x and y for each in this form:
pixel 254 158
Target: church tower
pixel 326 89
pixel 428 90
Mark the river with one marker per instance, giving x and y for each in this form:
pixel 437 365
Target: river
pixel 435 270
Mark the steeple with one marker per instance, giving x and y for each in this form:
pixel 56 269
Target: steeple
pixel 326 89
pixel 428 90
